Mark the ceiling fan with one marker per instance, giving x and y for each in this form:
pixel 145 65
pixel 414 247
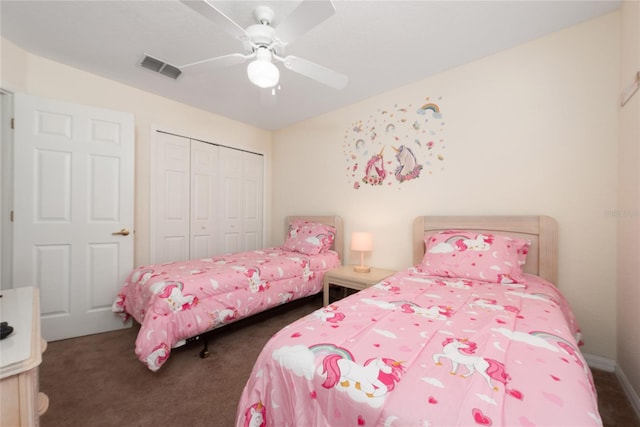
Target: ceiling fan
pixel 264 44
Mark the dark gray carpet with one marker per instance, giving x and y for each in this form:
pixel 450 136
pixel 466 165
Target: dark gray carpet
pixel 97 380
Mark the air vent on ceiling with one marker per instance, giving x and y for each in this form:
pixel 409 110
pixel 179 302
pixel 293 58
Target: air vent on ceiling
pixel 154 64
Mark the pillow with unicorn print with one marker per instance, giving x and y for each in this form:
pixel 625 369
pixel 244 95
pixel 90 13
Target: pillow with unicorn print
pixel 309 238
pixel 477 256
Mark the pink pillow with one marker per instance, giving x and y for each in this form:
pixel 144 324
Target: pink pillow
pixel 471 255
pixel 309 238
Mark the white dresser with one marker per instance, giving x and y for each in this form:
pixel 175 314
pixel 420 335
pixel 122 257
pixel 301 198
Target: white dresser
pixel 21 402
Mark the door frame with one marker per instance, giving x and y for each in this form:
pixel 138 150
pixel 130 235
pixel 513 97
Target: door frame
pixel 6 190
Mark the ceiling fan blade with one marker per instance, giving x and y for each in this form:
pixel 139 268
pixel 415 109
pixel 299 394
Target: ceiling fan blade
pixel 209 11
pixel 219 61
pixel 303 18
pixel 316 72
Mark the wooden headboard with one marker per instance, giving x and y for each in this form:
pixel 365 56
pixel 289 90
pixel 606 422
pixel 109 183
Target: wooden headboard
pixel 542 231
pixel 335 221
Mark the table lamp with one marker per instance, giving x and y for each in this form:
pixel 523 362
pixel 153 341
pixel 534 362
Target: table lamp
pixel 363 242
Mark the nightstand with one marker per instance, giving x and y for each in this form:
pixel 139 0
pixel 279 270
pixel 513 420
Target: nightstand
pixel 347 278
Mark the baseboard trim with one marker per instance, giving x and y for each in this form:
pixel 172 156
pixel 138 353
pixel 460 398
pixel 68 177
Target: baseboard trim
pixel 599 362
pixel 632 395
pixel 609 365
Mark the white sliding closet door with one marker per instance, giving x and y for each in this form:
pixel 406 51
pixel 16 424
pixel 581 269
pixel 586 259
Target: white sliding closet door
pixel 206 199
pixel 252 204
pixel 241 200
pixel 230 207
pixel 171 205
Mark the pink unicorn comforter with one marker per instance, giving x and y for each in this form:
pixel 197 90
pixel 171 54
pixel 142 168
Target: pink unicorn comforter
pixel 418 350
pixel 179 300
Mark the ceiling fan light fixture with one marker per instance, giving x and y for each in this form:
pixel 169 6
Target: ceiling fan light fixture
pixel 262 72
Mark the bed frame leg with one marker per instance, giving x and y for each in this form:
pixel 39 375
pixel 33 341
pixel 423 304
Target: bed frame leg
pixel 204 353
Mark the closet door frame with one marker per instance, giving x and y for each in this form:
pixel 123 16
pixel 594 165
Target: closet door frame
pixel 153 173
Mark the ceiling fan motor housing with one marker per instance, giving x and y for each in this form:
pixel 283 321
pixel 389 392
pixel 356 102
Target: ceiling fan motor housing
pixel 259 35
pixel 264 14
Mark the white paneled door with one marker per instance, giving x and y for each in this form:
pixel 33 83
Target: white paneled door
pixel 73 211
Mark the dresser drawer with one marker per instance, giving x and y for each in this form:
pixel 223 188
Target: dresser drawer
pixel 22 403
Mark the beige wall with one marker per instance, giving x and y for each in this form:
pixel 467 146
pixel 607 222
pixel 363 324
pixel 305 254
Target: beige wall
pixel 34 75
pixel 530 130
pixel 629 206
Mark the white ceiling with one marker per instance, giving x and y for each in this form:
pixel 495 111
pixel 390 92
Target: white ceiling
pixel 379 45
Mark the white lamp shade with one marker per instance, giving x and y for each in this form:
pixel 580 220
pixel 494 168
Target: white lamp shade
pixel 361 241
pixel 263 73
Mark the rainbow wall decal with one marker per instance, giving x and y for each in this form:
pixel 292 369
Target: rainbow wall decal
pixel 431 106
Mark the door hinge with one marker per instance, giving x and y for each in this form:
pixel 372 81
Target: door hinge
pixel 13 123
pixel 11 216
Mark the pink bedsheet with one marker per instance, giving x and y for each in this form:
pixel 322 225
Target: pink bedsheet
pixel 180 300
pixel 416 351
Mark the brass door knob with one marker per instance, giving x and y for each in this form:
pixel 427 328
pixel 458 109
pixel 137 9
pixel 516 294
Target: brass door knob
pixel 123 232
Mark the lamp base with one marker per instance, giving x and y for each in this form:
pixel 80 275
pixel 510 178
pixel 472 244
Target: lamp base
pixel 361 269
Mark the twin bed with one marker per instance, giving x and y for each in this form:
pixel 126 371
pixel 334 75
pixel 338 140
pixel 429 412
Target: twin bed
pixel 179 301
pixel 474 334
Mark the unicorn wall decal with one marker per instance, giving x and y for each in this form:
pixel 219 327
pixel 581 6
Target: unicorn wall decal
pixel 374 172
pixel 415 132
pixel 408 168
